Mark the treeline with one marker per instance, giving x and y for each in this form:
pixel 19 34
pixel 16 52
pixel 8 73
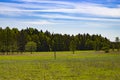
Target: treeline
pixel 14 40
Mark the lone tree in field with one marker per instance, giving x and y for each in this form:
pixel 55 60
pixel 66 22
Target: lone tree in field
pixel 31 46
pixel 72 46
pixel 117 40
pixel 106 48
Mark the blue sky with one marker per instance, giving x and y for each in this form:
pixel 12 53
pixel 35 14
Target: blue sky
pixel 63 16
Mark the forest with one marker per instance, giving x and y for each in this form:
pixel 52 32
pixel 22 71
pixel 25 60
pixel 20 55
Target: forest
pixel 30 39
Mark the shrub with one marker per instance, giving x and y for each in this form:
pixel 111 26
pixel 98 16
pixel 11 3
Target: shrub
pixel 106 49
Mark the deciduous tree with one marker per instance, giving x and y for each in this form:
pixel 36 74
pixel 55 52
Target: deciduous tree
pixel 31 46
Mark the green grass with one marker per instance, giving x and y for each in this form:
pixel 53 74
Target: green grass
pixel 83 65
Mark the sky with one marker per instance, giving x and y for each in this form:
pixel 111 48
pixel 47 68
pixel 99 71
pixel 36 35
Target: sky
pixel 63 16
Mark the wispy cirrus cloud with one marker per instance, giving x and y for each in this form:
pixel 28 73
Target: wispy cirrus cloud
pixel 60 16
pixel 66 16
pixel 42 22
pixel 44 6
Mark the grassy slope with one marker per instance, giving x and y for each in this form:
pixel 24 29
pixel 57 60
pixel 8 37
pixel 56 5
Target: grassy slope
pixel 84 65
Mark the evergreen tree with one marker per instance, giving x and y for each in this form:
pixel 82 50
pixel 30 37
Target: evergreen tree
pixel 14 40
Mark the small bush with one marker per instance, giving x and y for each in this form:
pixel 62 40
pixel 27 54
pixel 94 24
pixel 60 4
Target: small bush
pixel 106 49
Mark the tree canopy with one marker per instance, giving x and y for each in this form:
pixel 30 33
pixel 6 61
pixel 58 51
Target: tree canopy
pixel 12 40
pixel 30 46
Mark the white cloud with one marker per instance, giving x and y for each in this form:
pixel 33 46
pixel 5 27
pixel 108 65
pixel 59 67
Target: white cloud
pixel 28 8
pixel 60 16
pixel 44 11
pixel 99 10
pixel 38 22
pixel 47 1
pixel 15 9
pixel 59 6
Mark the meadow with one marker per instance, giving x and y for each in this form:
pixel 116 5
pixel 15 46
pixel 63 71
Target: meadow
pixel 83 65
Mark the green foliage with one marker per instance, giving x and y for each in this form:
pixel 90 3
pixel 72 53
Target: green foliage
pixel 12 40
pixel 84 65
pixel 106 49
pixel 72 46
pixel 117 43
pixel 31 46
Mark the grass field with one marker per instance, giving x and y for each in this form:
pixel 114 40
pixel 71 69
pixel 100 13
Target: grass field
pixel 83 65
